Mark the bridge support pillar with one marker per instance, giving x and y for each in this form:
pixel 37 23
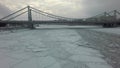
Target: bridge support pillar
pixel 109 25
pixel 30 24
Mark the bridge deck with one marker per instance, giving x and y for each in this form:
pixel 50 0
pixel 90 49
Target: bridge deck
pixel 60 22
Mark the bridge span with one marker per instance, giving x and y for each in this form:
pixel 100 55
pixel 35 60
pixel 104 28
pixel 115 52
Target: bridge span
pixel 105 19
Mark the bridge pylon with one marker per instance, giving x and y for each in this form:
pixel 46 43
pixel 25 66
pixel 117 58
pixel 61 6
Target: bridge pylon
pixel 30 25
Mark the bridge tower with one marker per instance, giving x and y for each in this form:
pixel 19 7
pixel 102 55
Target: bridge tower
pixel 30 25
pixel 105 16
pixel 115 15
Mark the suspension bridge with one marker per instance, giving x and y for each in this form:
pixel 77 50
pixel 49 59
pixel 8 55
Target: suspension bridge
pixel 106 19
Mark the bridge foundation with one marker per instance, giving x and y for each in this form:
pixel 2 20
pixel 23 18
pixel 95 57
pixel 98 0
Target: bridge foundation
pixel 109 25
pixel 31 26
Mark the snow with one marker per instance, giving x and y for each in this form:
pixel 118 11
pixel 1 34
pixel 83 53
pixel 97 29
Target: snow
pixel 115 30
pixel 48 49
pixel 109 30
pixel 66 26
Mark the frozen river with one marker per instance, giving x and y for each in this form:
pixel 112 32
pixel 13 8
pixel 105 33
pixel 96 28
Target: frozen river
pixel 52 48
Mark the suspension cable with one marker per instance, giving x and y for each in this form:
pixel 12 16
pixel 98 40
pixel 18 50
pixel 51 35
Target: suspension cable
pixel 13 13
pixel 51 14
pixel 44 14
pixel 16 16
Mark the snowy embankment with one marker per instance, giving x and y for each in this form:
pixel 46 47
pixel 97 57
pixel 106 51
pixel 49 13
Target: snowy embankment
pixel 96 28
pixel 109 30
pixel 48 49
pixel 65 26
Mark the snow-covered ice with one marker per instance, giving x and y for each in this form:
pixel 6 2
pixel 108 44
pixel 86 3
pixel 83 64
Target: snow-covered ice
pixel 108 30
pixel 48 49
pixel 67 26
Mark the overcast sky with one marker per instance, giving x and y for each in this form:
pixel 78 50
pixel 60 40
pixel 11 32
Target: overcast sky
pixel 66 8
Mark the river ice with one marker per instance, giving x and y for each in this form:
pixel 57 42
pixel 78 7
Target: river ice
pixel 57 48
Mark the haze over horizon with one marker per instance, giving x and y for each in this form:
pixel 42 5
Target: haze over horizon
pixel 66 8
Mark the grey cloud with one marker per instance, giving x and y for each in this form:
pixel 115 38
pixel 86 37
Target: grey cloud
pixel 93 7
pixel 89 7
pixel 4 11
